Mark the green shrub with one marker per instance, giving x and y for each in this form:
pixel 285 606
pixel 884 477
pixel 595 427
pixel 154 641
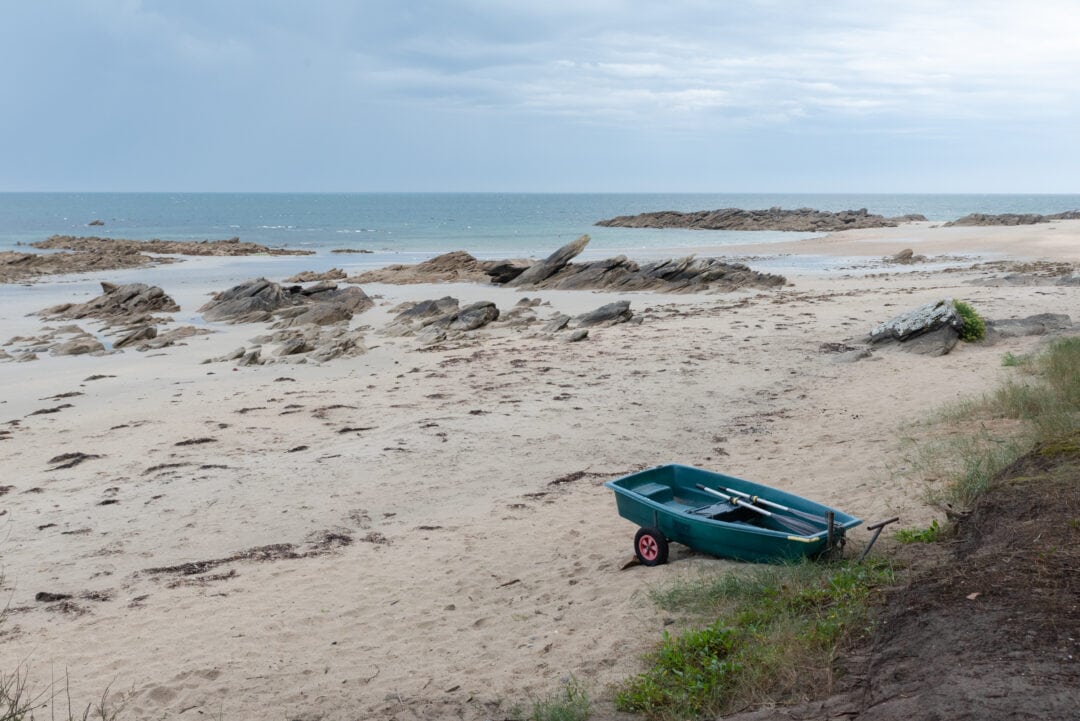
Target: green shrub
pixel 974 326
pixel 930 534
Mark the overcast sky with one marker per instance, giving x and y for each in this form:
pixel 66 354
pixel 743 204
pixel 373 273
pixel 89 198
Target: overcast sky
pixel 551 95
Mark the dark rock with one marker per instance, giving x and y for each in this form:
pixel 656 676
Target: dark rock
pixel 47 597
pixel 937 342
pixel 96 222
pixel 505 271
pixel 556 324
pixel 551 265
pixel 610 314
pixel 258 296
pixel 259 300
pixel 429 309
pixel 474 316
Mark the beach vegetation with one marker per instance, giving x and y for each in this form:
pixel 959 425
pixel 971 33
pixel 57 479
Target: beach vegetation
pixel 776 634
pixel 931 534
pixel 974 326
pixel 19 701
pixel 570 703
pixel 968 444
pixel 1011 360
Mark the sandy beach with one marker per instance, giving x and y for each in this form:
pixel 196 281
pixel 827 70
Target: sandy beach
pixel 417 533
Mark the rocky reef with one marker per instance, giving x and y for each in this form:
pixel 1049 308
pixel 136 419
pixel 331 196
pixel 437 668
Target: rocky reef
pixel 800 219
pixel 981 219
pixel 673 275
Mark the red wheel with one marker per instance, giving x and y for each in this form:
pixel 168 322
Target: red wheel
pixel 650 547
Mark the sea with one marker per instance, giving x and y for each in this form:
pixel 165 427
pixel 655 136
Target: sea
pixel 410 227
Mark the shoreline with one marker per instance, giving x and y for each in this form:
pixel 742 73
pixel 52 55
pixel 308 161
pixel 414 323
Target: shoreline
pixel 474 574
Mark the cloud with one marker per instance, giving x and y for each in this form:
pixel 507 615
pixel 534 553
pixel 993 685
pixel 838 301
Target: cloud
pixel 207 80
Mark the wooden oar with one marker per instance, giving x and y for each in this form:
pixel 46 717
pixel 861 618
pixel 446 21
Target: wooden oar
pixel 792 524
pixel 777 506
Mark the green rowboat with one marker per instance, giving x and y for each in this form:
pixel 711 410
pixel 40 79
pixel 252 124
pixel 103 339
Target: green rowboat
pixel 723 516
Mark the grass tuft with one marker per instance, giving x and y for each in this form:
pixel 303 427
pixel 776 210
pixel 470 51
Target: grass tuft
pixel 776 635
pixel 570 704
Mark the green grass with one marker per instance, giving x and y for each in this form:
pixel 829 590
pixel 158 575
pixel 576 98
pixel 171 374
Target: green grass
pixel 775 638
pixel 969 443
pixel 1011 360
pixel 931 534
pixel 570 704
pixel 974 326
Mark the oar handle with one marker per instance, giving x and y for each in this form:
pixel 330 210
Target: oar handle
pixel 733 500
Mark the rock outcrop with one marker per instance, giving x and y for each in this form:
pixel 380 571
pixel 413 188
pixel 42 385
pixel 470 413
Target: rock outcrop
pixel 261 300
pixel 801 219
pixel 539 272
pixel 982 219
pixel 117 305
pixel 677 275
pixel 230 247
pixel 312 324
pixel 906 256
pixel 94 253
pixel 610 314
pixel 309 343
pixel 932 329
pixel 23 267
pixel 433 321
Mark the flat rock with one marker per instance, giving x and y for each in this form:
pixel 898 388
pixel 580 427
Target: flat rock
pixel 1041 324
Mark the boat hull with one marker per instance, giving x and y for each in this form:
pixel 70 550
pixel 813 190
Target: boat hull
pixel 667 498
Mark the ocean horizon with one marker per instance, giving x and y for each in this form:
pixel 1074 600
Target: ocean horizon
pixel 485 224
